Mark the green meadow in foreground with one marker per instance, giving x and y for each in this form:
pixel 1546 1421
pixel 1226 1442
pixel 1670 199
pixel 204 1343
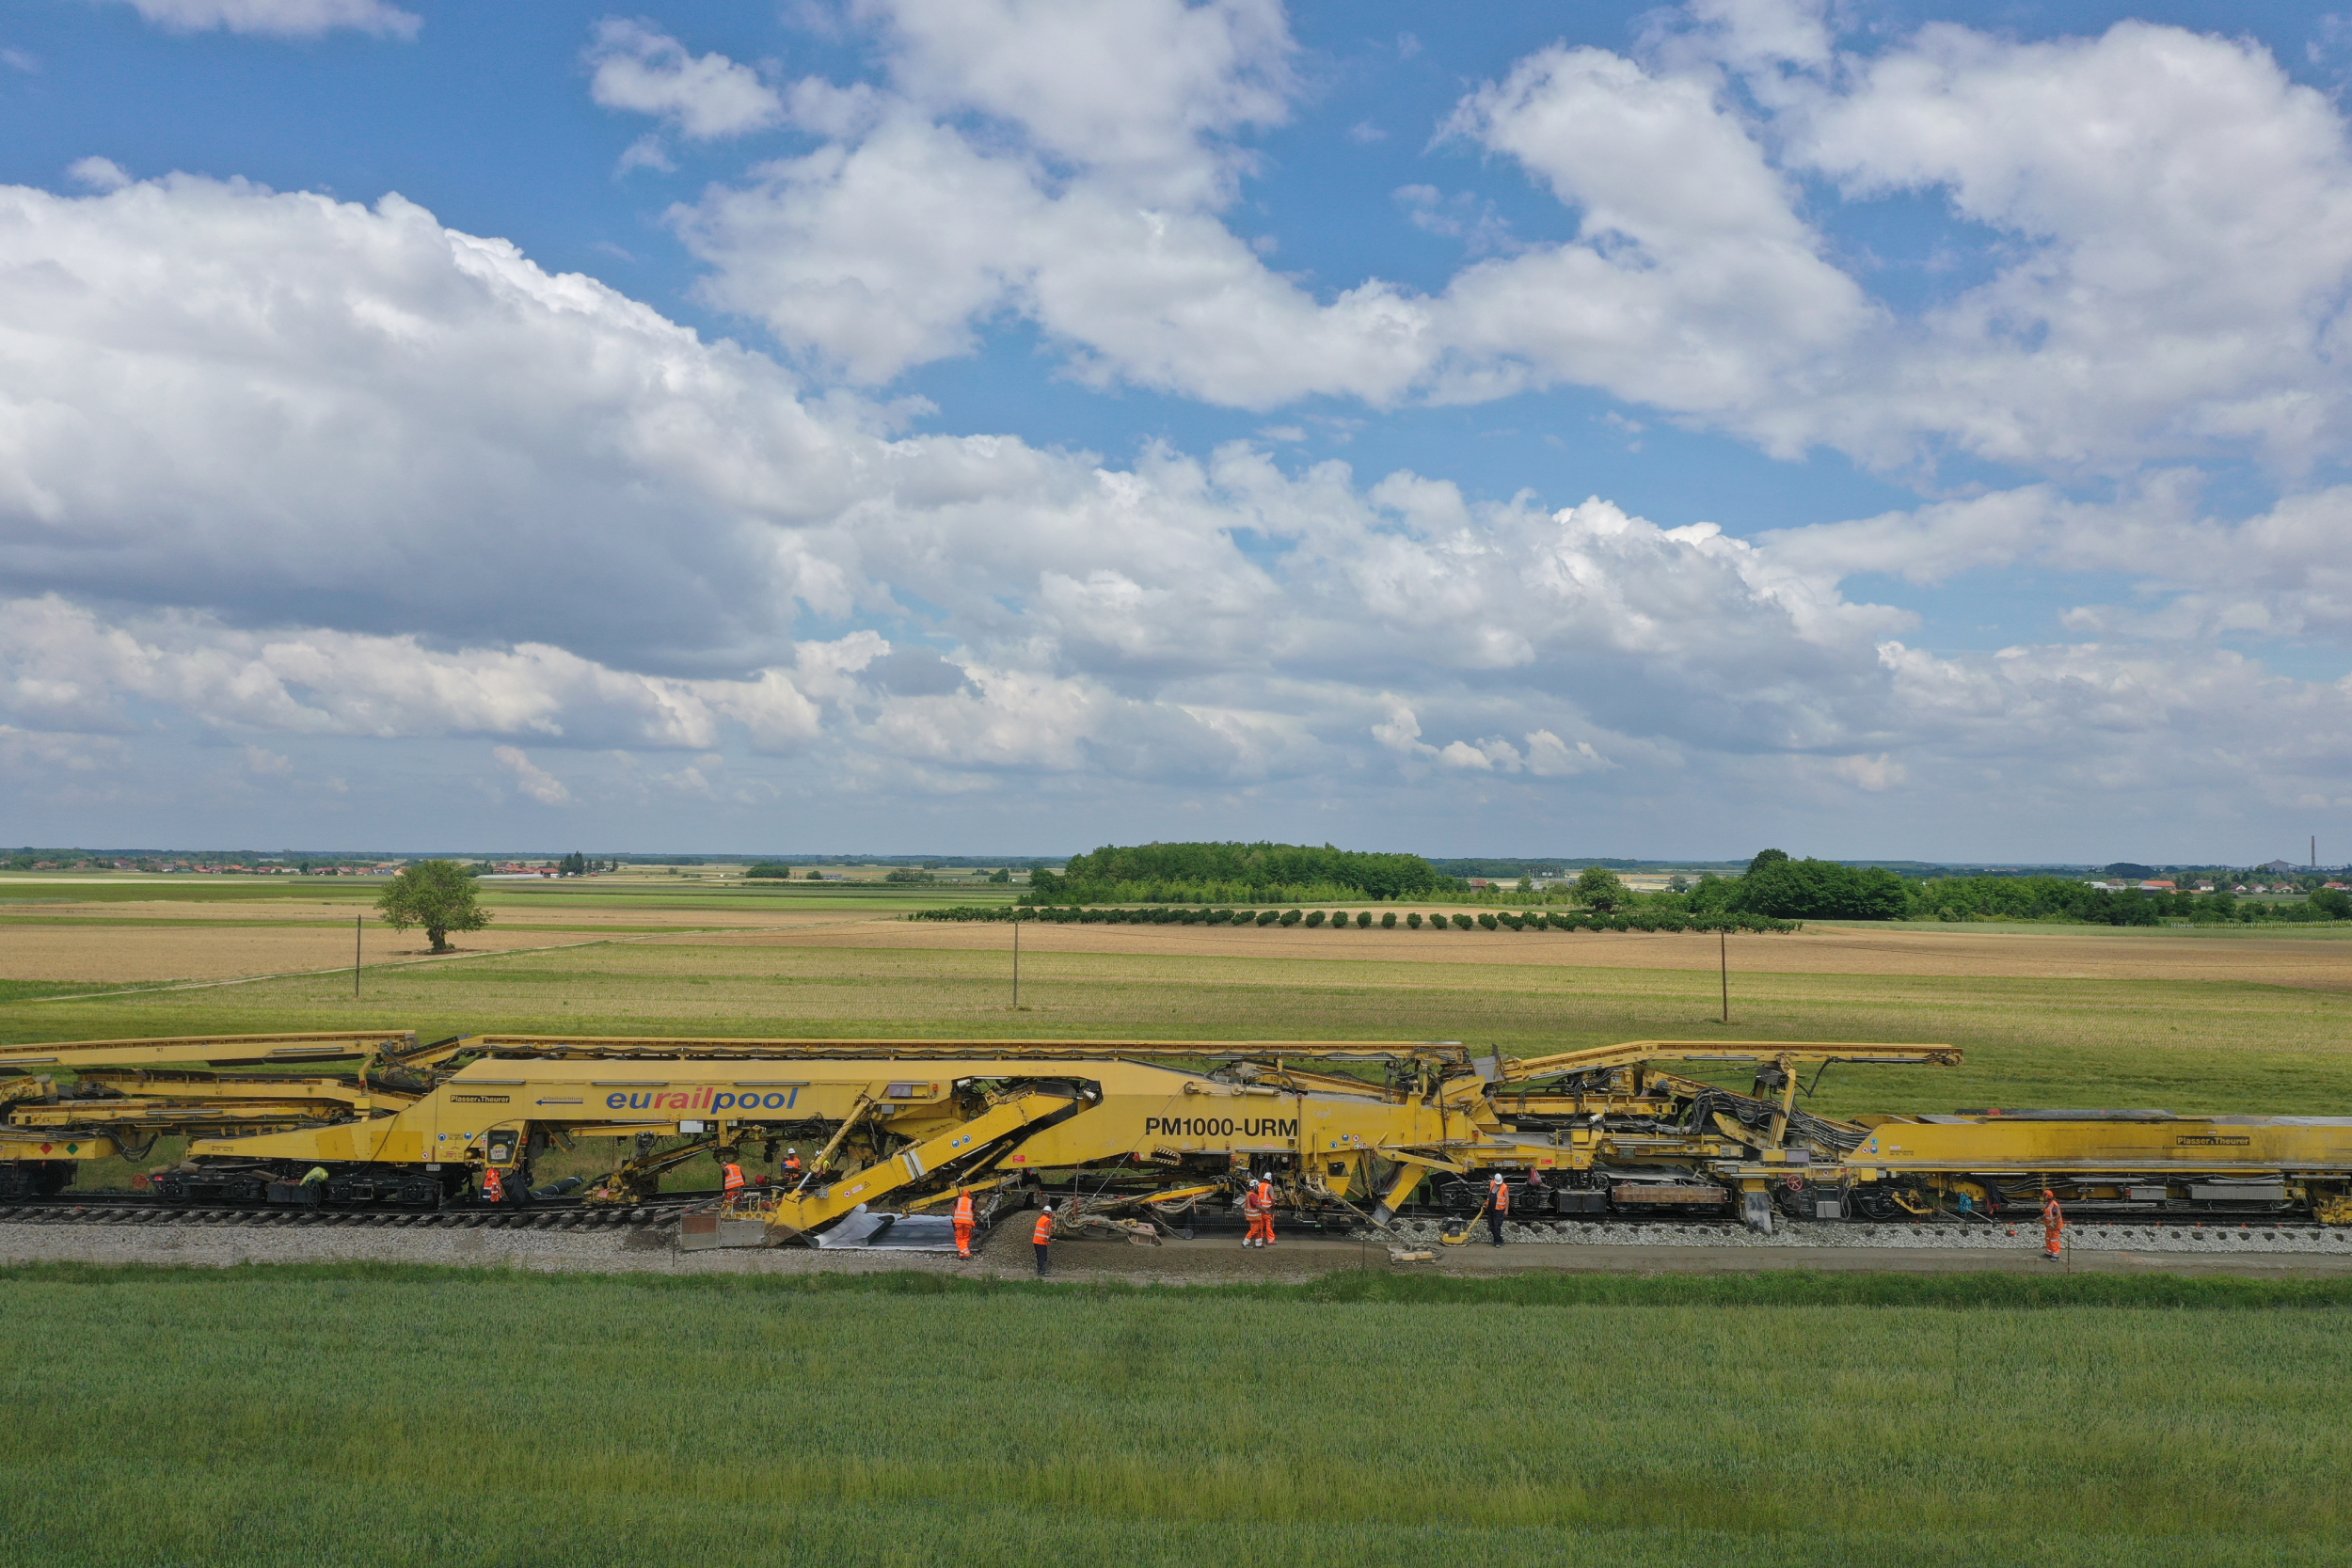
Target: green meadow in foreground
pixel 388 1415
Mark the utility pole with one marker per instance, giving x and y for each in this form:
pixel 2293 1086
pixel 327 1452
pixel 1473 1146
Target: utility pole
pixel 358 923
pixel 1016 957
pixel 1723 950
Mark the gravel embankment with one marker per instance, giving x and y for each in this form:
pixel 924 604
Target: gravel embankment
pixel 1207 1260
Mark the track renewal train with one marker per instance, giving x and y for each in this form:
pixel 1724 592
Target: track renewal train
pixel 1353 1131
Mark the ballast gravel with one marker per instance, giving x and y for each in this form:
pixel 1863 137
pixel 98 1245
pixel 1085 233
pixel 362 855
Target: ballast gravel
pixel 2001 1236
pixel 574 1250
pixel 1210 1258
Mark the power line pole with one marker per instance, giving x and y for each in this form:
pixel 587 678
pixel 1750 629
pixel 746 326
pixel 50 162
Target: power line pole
pixel 1723 948
pixel 358 923
pixel 1016 957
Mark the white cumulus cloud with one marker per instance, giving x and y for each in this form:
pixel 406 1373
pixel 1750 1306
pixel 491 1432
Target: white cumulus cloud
pixel 294 19
pixel 2163 216
pixel 646 72
pixel 277 466
pixel 532 780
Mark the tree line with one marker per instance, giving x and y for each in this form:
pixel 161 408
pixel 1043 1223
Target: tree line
pixel 1256 872
pixel 1776 886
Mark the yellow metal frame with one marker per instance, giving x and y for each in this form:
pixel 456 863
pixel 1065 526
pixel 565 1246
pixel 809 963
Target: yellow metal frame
pixel 909 1120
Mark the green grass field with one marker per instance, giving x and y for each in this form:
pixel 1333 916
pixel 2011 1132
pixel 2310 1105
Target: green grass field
pixel 382 1417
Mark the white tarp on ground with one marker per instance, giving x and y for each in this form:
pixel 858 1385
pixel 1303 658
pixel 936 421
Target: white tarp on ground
pixel 861 1230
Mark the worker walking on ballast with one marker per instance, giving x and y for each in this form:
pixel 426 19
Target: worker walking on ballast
pixel 1498 1207
pixel 2053 1228
pixel 1257 1203
pixel 1042 1238
pixel 964 1223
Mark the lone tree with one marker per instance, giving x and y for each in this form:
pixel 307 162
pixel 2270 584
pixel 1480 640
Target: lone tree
pixel 436 894
pixel 1598 888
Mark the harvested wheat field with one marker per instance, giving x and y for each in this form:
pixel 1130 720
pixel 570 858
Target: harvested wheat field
pixel 144 942
pixel 2323 959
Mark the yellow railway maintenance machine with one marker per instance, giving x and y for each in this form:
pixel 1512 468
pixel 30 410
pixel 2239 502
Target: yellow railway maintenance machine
pixel 1353 1131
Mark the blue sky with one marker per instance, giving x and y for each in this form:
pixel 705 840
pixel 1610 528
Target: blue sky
pixel 1009 425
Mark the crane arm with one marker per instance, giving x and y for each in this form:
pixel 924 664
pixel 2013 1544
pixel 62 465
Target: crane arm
pixel 214 1050
pixel 658 1048
pixel 795 1213
pixel 1629 1053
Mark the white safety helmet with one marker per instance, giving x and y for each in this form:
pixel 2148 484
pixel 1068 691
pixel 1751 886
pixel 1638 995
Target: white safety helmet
pixel 1049 1207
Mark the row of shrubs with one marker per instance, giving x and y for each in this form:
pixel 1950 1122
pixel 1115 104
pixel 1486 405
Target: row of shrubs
pixel 1515 920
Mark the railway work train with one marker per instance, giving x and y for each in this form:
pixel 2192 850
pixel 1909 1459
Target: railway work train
pixel 1352 1131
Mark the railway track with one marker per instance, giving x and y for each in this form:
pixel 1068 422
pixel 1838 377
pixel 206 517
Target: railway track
pixel 2211 1234
pixel 658 1222
pixel 571 1216
pixel 544 1215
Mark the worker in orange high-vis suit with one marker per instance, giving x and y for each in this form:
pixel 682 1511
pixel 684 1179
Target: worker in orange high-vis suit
pixel 964 1223
pixel 1249 1212
pixel 1266 1210
pixel 2053 1226
pixel 493 1187
pixel 1042 1238
pixel 1498 1207
pixel 731 1178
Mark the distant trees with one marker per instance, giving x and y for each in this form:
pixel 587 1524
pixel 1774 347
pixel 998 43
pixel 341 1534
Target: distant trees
pixel 1190 872
pixel 1788 888
pixel 436 894
pixel 2029 898
pixel 1598 888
